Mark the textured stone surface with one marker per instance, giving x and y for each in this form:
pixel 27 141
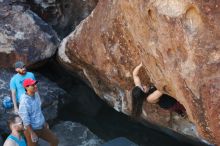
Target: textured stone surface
pixel 70 134
pixel 177 41
pixel 63 16
pixel 24 36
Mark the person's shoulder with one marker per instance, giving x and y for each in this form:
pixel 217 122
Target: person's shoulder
pixel 14 77
pixel 10 142
pixel 13 81
pixel 30 73
pixel 37 94
pixel 24 98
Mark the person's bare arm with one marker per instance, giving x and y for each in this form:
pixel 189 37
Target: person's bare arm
pixel 34 136
pixel 136 78
pixel 10 142
pixel 13 94
pixel 46 125
pixel 154 97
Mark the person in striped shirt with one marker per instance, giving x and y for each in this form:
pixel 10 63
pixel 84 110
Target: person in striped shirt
pixel 30 112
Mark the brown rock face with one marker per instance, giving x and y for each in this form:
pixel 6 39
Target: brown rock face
pixel 177 41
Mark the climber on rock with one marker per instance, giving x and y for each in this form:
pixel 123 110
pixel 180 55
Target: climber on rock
pixel 152 95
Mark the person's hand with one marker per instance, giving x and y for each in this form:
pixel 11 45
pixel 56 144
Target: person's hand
pixel 141 64
pixel 34 137
pixel 46 125
pixel 16 111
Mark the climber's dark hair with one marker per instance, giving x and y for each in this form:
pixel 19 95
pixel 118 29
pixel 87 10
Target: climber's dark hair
pixel 138 97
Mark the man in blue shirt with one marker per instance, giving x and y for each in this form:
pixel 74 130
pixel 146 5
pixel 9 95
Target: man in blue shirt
pixel 16 86
pixel 32 116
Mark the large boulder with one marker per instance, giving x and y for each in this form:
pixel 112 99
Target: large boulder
pixel 178 43
pixel 24 36
pixel 70 134
pixel 63 16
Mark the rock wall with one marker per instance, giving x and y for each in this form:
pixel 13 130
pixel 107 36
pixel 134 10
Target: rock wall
pixel 75 134
pixel 63 16
pixel 24 36
pixel 177 41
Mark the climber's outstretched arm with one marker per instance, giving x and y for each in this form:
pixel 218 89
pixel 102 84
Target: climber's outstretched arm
pixel 136 78
pixel 154 97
